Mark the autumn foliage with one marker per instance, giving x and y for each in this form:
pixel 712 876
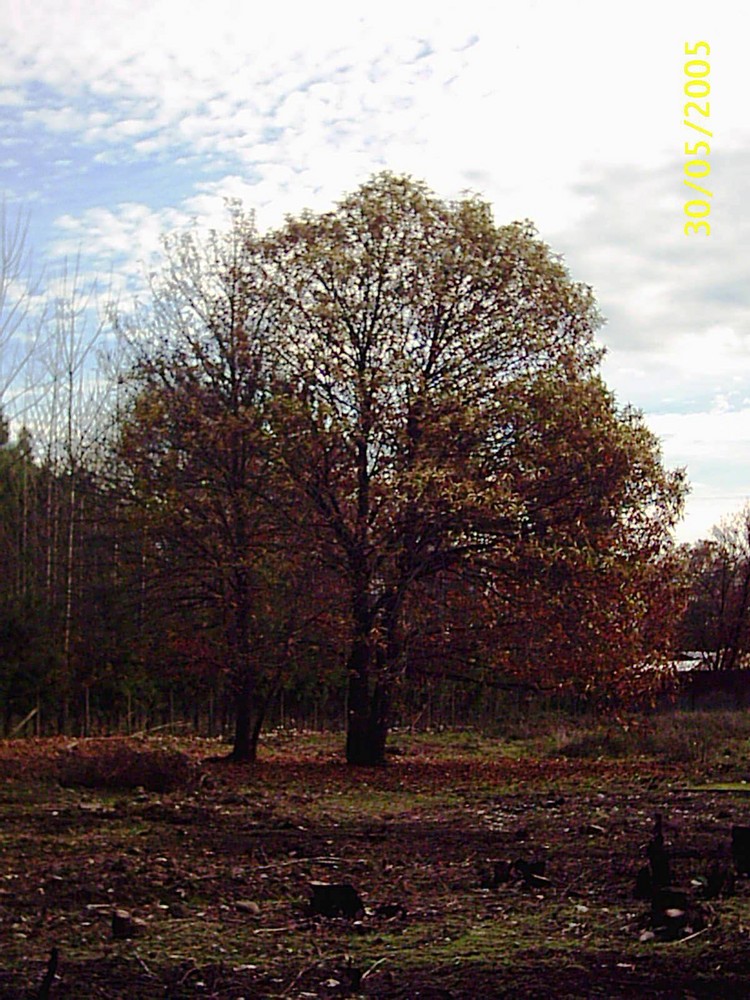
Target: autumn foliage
pixel 380 431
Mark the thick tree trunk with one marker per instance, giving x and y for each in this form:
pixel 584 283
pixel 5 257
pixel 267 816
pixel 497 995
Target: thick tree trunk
pixel 365 741
pixel 251 709
pixel 371 679
pixel 369 707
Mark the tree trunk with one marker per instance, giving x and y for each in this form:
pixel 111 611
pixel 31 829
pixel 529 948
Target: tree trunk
pixel 252 707
pixel 380 712
pixel 368 723
pixel 369 710
pixel 360 750
pixel 245 732
pixel 369 697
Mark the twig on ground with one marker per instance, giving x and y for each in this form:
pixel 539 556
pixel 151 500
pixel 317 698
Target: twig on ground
pixel 373 967
pixel 299 861
pixel 156 729
pixel 188 974
pixel 690 937
pixel 143 965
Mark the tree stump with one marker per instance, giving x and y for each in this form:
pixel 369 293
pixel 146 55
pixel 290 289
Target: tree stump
pixel 741 849
pixel 658 857
pixel 335 900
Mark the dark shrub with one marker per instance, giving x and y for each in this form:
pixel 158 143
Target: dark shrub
pixel 114 764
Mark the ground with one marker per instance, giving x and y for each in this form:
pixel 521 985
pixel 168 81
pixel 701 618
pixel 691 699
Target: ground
pixel 215 869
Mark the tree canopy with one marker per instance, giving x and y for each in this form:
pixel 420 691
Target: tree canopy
pixel 403 399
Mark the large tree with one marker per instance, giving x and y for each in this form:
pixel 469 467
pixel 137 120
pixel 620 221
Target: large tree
pixel 442 414
pixel 396 401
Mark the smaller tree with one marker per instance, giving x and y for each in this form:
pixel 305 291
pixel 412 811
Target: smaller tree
pixel 193 447
pixel 717 619
pixel 195 450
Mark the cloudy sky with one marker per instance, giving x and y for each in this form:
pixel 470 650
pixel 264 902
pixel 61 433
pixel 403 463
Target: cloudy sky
pixel 123 119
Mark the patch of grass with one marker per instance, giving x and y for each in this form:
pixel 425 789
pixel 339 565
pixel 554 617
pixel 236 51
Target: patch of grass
pixel 702 738
pixel 733 787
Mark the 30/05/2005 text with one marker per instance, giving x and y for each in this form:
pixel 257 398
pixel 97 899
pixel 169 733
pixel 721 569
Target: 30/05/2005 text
pixel 697 113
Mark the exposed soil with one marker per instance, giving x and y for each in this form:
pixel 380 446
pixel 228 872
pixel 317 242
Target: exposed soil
pixel 217 874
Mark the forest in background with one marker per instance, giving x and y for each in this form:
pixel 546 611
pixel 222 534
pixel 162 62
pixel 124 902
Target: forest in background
pixel 357 472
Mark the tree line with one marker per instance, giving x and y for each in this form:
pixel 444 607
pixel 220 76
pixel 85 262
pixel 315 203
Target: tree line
pixel 367 453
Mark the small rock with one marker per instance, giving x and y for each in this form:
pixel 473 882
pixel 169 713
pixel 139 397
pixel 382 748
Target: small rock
pixel 248 906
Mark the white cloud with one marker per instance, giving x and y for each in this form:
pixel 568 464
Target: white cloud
pixel 677 308
pixel 713 445
pixel 714 434
pixel 517 96
pixel 131 234
pixel 706 508
pixel 694 366
pixel 56 119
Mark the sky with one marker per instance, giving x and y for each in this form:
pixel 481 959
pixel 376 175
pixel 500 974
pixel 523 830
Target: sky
pixel 123 121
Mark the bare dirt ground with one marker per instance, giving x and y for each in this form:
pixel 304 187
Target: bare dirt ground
pixel 215 874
